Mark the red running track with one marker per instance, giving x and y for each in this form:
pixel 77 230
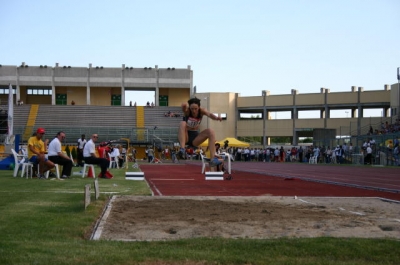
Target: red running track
pixel 275 179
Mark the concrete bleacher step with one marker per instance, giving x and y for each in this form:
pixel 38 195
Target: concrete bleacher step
pixel 111 122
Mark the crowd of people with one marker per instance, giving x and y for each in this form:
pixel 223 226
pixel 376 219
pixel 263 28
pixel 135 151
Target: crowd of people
pixel 172 114
pixel 385 128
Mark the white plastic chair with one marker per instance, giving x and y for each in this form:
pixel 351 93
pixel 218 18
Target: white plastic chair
pixel 48 172
pixel 227 157
pixel 113 160
pixel 87 166
pixel 22 160
pixel 205 162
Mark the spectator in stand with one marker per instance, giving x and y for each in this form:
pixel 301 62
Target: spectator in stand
pixel 316 152
pixel 287 156
pixel 189 152
pixel 368 157
pixel 276 154
pixel 267 155
pixel 293 154
pixel 239 154
pixel 328 155
pixel 246 153
pixel 371 131
pixel 309 153
pixel 300 152
pixel 150 154
pixel 322 154
pixel 123 152
pixel 282 154
pixel 57 156
pixel 345 154
pixel 252 154
pixel 396 152
pixel 350 149
pixel 166 152
pixel 339 154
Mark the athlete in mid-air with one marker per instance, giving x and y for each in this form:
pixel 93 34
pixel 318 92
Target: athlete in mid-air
pixel 189 134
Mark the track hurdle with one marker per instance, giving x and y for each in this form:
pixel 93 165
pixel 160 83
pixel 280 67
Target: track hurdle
pixel 134 175
pixel 219 175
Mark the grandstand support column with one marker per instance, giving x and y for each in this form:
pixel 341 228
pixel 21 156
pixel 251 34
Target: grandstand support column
pixel 18 89
pixel 192 89
pixel 360 110
pixel 157 94
pixel 122 96
pixel 123 85
pixel 88 86
pixel 294 116
pixel 264 94
pixel 53 88
pixel 326 107
pixel 326 116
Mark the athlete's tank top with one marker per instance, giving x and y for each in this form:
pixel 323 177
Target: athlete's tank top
pixel 193 122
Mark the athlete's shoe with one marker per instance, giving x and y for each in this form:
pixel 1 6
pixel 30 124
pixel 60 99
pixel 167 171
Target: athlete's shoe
pixel 215 162
pixel 181 154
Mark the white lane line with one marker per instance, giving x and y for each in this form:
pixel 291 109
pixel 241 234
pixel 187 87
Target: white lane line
pixel 340 208
pixel 172 179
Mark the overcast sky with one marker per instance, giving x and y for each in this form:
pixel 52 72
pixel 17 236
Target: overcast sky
pixel 232 46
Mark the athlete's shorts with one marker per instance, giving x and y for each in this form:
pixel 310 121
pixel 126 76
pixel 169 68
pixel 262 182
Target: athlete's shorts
pixel 34 160
pixel 192 135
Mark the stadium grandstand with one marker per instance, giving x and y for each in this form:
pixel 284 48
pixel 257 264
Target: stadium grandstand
pixel 91 99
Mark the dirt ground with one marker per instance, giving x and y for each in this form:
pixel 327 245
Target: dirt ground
pixel 168 218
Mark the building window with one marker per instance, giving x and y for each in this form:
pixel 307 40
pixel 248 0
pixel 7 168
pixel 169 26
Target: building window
pixel 4 90
pixel 39 91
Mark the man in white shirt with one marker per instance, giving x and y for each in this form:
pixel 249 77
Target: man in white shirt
pixel 81 144
pixel 56 155
pixel 90 157
pixel 368 157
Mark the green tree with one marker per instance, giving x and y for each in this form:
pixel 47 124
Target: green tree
pixel 67 150
pixel 74 153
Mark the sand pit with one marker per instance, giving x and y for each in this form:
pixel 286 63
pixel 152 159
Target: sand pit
pixel 133 218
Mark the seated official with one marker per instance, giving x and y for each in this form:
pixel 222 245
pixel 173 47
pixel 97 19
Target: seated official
pixel 37 151
pixel 90 157
pixel 56 155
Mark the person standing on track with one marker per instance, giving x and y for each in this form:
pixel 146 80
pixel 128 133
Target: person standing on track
pixel 188 133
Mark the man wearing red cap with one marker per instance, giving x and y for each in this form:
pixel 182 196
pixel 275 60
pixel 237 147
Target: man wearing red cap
pixel 37 150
